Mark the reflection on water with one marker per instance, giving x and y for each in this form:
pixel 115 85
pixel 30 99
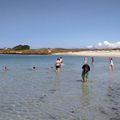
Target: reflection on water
pixel 114 97
pixel 85 100
pixel 44 94
pixel 58 75
pixel 85 93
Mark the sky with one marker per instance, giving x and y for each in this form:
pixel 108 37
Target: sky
pixel 60 23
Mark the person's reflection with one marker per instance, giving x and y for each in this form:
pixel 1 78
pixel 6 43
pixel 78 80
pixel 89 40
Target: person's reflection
pixel 112 98
pixel 85 92
pixel 57 75
pixel 85 100
pixel 110 79
pixel 110 75
pixel 57 80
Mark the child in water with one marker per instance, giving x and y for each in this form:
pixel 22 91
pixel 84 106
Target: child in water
pixel 111 67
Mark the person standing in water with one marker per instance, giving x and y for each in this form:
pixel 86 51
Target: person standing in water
pixel 92 60
pixel 58 64
pixel 61 60
pixel 85 59
pixel 34 68
pixel 111 67
pixel 5 68
pixel 85 72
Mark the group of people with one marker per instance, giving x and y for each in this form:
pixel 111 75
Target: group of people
pixel 85 67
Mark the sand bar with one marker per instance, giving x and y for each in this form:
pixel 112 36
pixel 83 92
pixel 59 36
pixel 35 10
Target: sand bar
pixel 111 53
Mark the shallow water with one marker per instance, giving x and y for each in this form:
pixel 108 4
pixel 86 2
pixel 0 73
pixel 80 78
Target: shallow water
pixel 43 94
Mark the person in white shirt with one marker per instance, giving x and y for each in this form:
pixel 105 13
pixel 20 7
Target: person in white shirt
pixel 61 60
pixel 111 67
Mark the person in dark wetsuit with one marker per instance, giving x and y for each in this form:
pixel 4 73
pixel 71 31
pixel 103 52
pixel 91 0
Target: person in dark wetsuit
pixel 85 71
pixel 34 67
pixel 92 60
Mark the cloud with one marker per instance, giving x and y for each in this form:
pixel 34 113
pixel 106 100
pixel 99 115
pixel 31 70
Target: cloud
pixel 99 44
pixel 106 44
pixel 111 45
pixel 89 46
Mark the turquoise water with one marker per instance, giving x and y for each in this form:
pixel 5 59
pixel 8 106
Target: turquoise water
pixel 43 94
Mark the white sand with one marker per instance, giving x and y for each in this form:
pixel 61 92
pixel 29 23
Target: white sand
pixel 109 53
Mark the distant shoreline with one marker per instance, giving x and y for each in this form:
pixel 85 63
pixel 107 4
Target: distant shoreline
pixel 76 52
pixel 108 53
pixel 22 54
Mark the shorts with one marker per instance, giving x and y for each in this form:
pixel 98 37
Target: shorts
pixel 57 67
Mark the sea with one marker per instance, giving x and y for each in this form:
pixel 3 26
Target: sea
pixel 44 94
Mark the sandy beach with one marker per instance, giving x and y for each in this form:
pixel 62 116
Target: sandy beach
pixel 112 53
